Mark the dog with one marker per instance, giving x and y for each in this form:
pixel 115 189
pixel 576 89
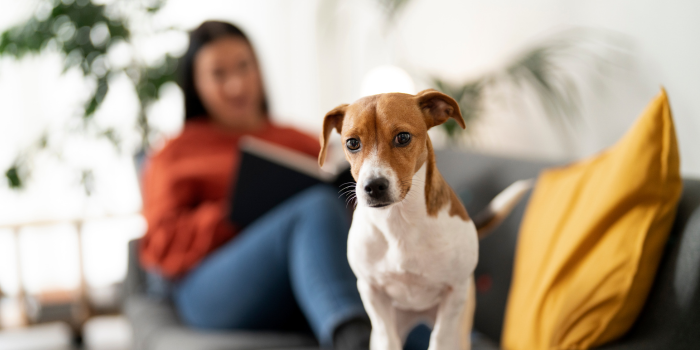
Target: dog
pixel 412 244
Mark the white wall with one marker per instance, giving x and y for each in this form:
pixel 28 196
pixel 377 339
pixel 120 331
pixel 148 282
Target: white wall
pixel 457 40
pixel 316 53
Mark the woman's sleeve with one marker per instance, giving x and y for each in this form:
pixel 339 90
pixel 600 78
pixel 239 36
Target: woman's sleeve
pixel 182 230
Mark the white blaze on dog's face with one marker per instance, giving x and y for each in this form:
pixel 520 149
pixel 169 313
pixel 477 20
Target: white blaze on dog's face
pixel 385 138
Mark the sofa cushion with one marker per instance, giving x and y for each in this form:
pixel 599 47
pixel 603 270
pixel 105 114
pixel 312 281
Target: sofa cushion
pixel 156 326
pixel 591 240
pixel 189 339
pixel 671 316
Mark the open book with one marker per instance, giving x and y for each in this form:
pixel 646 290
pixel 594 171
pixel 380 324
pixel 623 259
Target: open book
pixel 270 174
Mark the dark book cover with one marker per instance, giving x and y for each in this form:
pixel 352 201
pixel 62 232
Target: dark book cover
pixel 270 174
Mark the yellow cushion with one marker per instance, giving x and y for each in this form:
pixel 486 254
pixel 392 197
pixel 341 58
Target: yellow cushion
pixel 592 238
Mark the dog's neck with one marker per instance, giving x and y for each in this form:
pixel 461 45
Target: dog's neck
pixel 437 192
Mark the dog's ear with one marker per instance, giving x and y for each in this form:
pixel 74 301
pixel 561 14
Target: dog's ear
pixel 438 107
pixel 333 119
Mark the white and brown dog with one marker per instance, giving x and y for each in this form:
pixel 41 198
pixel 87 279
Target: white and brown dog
pixel 412 245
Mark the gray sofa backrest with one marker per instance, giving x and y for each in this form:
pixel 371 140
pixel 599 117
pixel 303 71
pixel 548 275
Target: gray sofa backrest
pixel 671 316
pixel 477 178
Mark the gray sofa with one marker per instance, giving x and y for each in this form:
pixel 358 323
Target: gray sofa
pixel 670 319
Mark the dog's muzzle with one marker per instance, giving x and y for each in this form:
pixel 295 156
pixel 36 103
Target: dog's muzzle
pixel 377 191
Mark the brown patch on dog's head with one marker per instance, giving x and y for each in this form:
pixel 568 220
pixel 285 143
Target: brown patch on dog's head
pixel 373 130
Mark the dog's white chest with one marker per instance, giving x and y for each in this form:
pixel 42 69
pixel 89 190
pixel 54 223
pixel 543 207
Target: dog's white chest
pixel 414 258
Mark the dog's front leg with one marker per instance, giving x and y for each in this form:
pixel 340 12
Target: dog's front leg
pixel 381 313
pixel 454 319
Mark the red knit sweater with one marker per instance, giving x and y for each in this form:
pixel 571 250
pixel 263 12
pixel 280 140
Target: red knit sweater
pixel 186 187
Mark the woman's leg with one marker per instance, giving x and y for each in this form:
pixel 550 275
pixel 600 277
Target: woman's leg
pixel 323 283
pixel 295 252
pixel 244 284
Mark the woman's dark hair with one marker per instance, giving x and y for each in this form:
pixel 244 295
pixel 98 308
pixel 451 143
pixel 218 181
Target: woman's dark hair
pixel 204 34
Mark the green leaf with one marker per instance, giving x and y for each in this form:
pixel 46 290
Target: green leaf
pixel 97 97
pixel 13 178
pixel 393 7
pixel 468 96
pixel 87 180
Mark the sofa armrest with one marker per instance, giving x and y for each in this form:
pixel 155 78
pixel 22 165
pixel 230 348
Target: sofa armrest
pixel 135 282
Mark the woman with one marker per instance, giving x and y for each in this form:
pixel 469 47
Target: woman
pixel 290 262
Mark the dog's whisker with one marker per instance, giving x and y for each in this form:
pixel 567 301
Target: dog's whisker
pixel 348 184
pixel 352 200
pixel 350 197
pixel 349 200
pixel 347 189
pixel 346 193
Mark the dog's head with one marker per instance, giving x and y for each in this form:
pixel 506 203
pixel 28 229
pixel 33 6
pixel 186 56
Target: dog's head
pixel 385 138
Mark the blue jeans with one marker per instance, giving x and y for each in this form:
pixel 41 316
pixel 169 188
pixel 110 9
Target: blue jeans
pixel 290 262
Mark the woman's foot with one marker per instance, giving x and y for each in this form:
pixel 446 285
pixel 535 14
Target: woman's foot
pixel 352 335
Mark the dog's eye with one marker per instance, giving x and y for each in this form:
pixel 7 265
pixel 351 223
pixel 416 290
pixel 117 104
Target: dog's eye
pixel 402 139
pixel 352 144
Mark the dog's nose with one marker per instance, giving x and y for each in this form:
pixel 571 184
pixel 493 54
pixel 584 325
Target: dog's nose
pixel 376 188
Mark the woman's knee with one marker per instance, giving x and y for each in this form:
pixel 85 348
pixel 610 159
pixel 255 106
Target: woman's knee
pixel 193 313
pixel 204 313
